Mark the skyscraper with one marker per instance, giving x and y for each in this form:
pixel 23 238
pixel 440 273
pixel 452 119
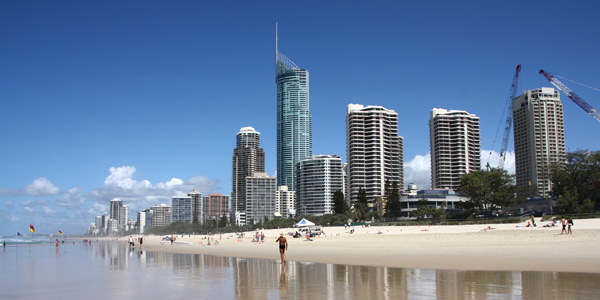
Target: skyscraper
pixel 248 158
pixel 539 133
pixel 294 121
pixel 455 146
pixel 374 150
pixel 317 178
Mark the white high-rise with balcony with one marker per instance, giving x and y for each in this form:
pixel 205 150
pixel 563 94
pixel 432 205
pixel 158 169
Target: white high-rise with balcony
pixel 317 178
pixel 374 150
pixel 455 146
pixel 539 132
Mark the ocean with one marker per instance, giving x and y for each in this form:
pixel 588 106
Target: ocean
pixel 109 270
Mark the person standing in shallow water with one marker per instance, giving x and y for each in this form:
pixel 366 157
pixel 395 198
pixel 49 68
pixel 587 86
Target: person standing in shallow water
pixel 283 246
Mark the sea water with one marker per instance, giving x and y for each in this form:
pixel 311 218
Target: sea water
pixel 108 270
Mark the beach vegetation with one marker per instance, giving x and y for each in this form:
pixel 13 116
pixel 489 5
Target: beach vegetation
pixel 223 221
pixel 361 207
pixel 340 206
pixel 393 207
pixel 488 190
pixel 576 183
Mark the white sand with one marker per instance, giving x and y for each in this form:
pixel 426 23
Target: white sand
pixel 459 247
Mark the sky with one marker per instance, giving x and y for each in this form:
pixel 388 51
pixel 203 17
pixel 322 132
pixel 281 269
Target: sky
pixel 142 100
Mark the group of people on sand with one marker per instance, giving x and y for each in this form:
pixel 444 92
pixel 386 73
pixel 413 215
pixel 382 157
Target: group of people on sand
pixel 566 225
pixel 259 238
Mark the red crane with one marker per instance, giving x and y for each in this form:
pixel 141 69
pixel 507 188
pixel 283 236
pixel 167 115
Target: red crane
pixel 509 118
pixel 559 85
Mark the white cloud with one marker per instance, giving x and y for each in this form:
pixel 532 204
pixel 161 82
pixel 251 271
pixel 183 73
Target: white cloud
pixel 142 194
pixel 39 187
pixel 32 203
pixel 72 199
pixel 493 158
pixel 8 203
pixel 48 210
pixel 418 171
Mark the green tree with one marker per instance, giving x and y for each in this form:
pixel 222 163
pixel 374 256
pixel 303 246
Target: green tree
pixel 424 210
pixel 577 180
pixel 361 207
pixel 223 221
pixel 340 206
pixel 488 190
pixel 393 207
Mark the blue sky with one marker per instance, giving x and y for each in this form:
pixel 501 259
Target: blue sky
pixel 143 99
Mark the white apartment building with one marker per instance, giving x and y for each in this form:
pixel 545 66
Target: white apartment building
pixel 455 144
pixel 261 197
pixel 539 133
pixel 317 178
pixel 374 150
pixel 161 215
pixel 285 201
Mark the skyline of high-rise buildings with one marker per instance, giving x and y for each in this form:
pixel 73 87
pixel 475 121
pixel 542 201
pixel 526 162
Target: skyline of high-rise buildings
pixel 305 183
pixel 455 146
pixel 539 138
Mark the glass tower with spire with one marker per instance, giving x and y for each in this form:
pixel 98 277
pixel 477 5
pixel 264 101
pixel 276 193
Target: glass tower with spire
pixel 294 121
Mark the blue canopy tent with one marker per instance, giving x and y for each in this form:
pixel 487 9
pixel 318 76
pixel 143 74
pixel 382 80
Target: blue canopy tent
pixel 303 223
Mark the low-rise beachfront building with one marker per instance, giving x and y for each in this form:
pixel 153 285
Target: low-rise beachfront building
pixel 285 201
pixel 435 198
pixel 112 226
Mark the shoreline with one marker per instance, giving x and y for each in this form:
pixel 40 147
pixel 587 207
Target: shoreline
pixel 447 247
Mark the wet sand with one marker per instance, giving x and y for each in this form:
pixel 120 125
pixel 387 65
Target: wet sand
pixel 459 247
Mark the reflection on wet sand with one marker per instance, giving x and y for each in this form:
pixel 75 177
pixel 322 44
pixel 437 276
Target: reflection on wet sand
pixel 268 279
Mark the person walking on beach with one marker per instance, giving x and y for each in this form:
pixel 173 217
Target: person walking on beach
pixel 564 225
pixel 569 225
pixel 131 241
pixel 283 246
pixel 56 244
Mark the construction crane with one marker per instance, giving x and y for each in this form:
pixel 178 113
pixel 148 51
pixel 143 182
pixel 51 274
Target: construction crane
pixel 559 85
pixel 509 118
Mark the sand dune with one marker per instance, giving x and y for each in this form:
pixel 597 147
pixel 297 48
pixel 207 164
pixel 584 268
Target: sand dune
pixel 458 247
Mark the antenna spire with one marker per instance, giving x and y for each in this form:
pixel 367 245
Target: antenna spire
pixel 276 43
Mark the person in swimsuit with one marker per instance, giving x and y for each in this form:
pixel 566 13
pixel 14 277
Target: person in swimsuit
pixel 283 245
pixel 564 225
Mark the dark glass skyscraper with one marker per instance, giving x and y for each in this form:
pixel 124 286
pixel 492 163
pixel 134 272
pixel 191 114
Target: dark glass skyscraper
pixel 294 121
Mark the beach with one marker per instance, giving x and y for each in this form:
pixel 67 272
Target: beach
pixel 449 247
